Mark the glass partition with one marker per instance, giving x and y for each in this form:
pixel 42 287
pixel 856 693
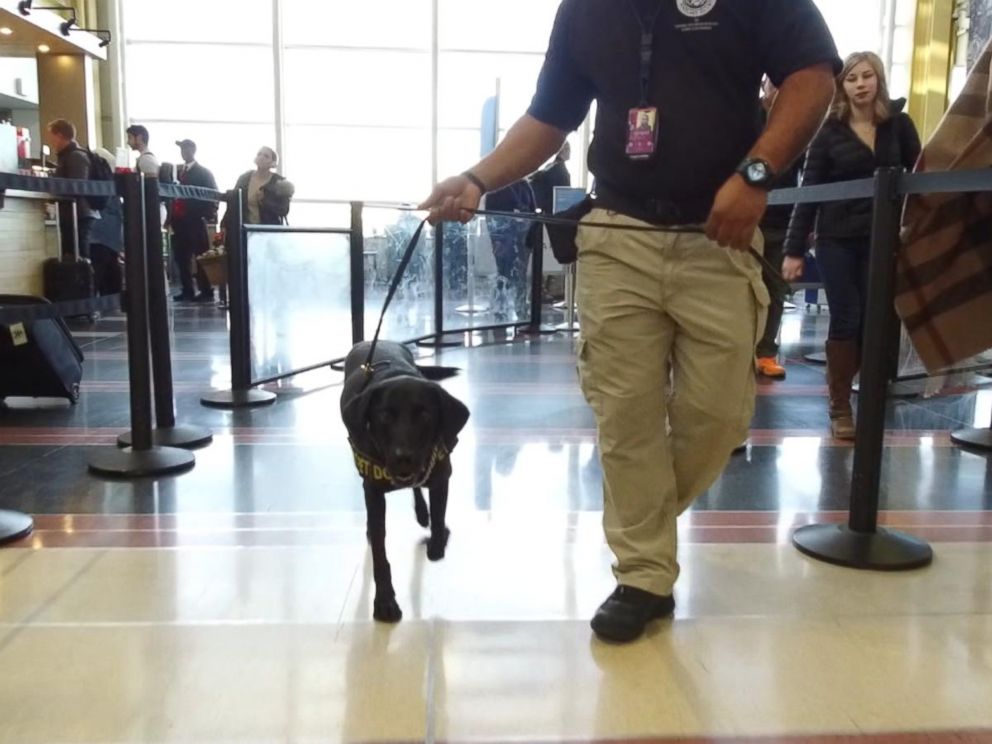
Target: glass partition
pixel 299 292
pixel 411 314
pixel 487 272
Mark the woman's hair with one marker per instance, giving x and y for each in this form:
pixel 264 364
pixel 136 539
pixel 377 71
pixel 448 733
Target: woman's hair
pixel 841 108
pixel 272 154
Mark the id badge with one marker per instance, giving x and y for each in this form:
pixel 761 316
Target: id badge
pixel 642 133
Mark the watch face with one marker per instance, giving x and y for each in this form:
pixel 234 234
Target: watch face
pixel 757 172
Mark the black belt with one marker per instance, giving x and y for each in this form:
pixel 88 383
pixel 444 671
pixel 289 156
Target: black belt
pixel 654 211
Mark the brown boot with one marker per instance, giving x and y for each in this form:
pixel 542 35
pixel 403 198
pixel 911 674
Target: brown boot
pixel 842 365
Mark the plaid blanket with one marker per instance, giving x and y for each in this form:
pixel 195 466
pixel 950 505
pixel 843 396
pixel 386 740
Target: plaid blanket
pixel 944 269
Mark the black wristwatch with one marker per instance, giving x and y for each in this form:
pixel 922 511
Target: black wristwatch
pixel 757 172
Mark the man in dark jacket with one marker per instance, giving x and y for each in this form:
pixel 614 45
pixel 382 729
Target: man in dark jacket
pixel 189 218
pixel 544 181
pixel 73 162
pixel 511 241
pixel 774 226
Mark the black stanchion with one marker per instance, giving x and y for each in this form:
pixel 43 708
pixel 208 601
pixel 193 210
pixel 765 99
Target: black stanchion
pixel 536 328
pixel 861 543
pixel 166 433
pixel 241 394
pixel 142 458
pixel 357 273
pixel 14 526
pixel 980 439
pixel 438 340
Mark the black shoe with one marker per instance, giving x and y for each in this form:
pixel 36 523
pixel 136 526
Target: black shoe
pixel 625 613
pixel 183 297
pixel 204 297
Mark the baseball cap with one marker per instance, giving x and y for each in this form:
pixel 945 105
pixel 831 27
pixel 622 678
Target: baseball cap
pixel 186 143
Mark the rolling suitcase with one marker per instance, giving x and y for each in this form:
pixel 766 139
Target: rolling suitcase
pixel 68 277
pixel 38 358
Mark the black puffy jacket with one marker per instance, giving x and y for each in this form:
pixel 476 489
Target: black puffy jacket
pixel 837 154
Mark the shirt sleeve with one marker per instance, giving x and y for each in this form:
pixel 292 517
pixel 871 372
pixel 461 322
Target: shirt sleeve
pixel 794 36
pixel 148 164
pixel 564 94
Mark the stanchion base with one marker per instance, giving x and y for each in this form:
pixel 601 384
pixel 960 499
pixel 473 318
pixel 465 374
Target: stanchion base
pixel 252 398
pixel 816 357
pixel 129 463
pixel 441 342
pixel 907 389
pixel 184 437
pixel 543 330
pixel 882 550
pixel 974 438
pixel 14 526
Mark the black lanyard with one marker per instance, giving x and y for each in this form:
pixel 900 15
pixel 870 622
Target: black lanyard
pixel 647 46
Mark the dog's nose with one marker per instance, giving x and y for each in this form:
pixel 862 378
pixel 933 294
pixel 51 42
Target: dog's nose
pixel 404 462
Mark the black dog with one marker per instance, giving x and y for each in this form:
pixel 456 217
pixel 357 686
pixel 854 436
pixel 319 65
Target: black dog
pixel 402 427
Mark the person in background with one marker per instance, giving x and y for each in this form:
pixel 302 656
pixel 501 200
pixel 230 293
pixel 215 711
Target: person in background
pixel 137 140
pixel 266 195
pixel 511 242
pixel 188 219
pixel 107 241
pixel 543 182
pixel 72 162
pixel 864 131
pixel 774 225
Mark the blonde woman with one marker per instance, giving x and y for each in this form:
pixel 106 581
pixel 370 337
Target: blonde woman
pixel 864 131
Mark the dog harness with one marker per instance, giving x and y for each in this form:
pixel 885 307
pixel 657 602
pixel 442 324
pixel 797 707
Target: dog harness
pixel 372 470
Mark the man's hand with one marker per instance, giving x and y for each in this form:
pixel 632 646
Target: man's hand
pixel 792 268
pixel 736 212
pixel 453 200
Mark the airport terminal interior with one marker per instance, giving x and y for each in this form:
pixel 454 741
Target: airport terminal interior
pixel 226 594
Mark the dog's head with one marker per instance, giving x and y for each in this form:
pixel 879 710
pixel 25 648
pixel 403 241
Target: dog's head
pixel 406 418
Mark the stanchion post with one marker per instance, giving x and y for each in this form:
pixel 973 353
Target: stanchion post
pixel 165 433
pixel 241 394
pixel 861 543
pixel 142 458
pixel 357 273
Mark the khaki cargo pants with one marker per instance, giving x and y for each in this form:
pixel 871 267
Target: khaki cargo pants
pixel 669 324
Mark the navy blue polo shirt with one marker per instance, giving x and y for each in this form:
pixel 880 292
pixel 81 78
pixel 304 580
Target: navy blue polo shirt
pixel 708 60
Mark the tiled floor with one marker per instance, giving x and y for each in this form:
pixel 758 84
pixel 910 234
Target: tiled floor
pixel 233 603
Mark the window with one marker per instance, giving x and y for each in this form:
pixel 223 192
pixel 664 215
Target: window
pixel 357 94
pixel 196 21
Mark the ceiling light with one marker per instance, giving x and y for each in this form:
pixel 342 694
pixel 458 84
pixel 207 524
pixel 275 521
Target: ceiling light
pixel 44 48
pixel 6 31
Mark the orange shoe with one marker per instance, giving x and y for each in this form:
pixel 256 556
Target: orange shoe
pixel 769 367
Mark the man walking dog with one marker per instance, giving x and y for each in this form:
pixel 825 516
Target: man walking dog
pixel 684 305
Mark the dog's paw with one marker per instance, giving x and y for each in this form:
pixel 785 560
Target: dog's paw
pixel 387 610
pixel 436 546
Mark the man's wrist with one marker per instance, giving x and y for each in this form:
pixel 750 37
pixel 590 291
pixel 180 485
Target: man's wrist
pixel 476 181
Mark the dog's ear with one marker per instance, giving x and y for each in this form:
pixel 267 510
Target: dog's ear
pixel 355 413
pixel 454 416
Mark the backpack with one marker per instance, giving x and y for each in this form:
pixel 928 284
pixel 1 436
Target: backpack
pixel 100 170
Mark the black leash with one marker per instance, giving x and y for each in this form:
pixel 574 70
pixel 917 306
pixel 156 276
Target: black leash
pixel 546 220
